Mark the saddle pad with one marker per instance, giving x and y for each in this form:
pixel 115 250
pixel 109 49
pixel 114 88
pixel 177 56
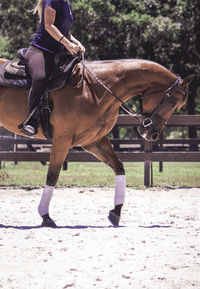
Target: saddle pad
pixel 56 81
pixel 16 68
pixel 10 80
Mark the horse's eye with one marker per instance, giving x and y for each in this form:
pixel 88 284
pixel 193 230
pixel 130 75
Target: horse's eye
pixel 172 103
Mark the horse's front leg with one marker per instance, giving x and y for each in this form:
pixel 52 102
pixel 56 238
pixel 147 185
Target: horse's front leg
pixel 104 152
pixel 59 151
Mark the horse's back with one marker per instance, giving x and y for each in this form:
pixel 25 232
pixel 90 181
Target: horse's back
pixel 2 61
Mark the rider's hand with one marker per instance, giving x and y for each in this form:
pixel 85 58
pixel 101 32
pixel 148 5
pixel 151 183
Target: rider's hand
pixel 81 47
pixel 72 48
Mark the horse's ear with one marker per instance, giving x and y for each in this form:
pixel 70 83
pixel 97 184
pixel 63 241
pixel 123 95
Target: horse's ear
pixel 187 80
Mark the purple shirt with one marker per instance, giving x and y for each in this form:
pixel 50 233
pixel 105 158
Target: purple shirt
pixel 64 20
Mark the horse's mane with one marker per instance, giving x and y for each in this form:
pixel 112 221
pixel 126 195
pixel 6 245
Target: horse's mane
pixel 124 61
pixel 140 64
pixel 121 60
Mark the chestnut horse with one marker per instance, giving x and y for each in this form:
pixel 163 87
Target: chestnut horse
pixel 83 116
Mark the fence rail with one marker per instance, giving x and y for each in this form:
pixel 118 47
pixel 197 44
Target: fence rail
pixel 147 155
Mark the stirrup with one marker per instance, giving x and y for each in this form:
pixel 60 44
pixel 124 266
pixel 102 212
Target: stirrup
pixel 26 131
pixel 22 125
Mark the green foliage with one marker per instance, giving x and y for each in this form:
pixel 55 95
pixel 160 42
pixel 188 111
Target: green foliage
pixel 18 25
pixel 4 42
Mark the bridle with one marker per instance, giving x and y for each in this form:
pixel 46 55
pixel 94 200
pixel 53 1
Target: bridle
pixel 147 121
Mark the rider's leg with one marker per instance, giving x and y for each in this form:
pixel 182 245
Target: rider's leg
pixel 39 63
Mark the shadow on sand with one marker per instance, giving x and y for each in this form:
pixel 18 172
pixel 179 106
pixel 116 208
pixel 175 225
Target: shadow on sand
pixel 160 227
pixel 77 227
pixel 154 226
pixel 83 227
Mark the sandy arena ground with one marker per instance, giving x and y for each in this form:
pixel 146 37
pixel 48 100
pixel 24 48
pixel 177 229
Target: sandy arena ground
pixel 157 245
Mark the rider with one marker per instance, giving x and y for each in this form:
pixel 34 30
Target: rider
pixel 56 20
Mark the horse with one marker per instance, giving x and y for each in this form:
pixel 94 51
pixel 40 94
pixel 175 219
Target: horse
pixel 84 115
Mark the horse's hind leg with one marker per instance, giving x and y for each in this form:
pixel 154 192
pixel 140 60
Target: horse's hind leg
pixel 104 152
pixel 58 154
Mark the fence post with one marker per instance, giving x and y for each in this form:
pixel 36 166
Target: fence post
pixel 148 168
pixel 115 132
pixel 15 147
pixel 161 149
pixel 65 165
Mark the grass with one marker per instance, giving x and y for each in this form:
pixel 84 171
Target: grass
pixel 98 174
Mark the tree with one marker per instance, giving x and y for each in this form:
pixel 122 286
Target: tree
pixel 17 26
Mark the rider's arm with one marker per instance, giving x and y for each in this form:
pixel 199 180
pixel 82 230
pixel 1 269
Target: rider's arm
pixel 49 20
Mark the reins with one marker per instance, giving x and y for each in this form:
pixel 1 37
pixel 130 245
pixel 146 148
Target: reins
pixel 144 121
pixel 124 107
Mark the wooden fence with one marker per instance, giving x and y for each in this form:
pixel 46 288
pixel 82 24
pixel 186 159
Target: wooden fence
pixel 128 150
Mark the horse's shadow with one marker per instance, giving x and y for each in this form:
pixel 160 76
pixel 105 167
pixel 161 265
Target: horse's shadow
pixel 155 226
pixel 77 227
pixel 83 227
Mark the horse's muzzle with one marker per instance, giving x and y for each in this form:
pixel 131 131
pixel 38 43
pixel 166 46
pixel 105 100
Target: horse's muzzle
pixel 148 133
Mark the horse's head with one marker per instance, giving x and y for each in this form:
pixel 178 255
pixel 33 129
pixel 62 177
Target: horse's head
pixel 158 106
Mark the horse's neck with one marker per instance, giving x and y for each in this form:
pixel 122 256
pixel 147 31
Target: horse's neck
pixel 127 78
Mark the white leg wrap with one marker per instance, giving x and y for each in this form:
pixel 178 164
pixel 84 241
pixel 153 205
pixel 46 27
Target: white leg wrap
pixel 120 189
pixel 43 207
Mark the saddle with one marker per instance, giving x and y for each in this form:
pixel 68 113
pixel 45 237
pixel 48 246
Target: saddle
pixel 15 74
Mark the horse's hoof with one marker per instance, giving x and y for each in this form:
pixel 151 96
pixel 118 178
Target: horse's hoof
pixel 48 222
pixel 113 218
